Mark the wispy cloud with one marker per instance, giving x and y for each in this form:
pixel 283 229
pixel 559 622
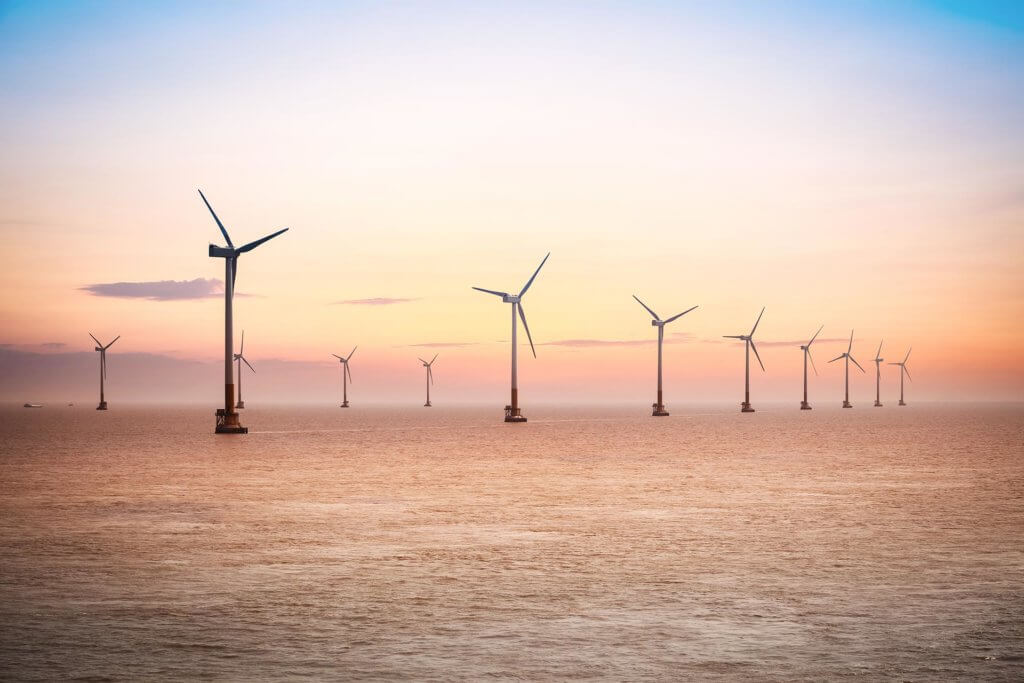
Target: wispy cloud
pixel 800 342
pixel 587 343
pixel 444 345
pixel 375 301
pixel 163 290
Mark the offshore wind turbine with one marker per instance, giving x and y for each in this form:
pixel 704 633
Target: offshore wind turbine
pixel 903 371
pixel 430 377
pixel 806 348
pixel 103 367
pixel 239 359
pixel 346 375
pixel 848 357
pixel 512 412
pixel 227 418
pixel 878 375
pixel 659 406
pixel 749 340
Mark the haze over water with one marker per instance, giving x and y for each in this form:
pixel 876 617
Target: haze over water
pixel 445 544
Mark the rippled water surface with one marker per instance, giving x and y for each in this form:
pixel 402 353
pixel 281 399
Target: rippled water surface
pixel 445 544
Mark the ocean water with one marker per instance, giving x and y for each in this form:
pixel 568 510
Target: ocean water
pixel 443 544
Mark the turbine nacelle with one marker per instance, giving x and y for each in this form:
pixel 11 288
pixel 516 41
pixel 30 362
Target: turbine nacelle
pixel 221 252
pixel 510 298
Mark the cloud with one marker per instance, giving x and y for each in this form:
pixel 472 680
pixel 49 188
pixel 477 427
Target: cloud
pixel 164 290
pixel 444 345
pixel 801 342
pixel 375 301
pixel 53 345
pixel 586 343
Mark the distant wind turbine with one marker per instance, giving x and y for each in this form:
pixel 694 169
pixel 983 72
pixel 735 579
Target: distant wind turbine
pixel 659 406
pixel 848 357
pixel 903 371
pixel 878 375
pixel 430 377
pixel 227 418
pixel 806 348
pixel 512 412
pixel 103 367
pixel 239 359
pixel 346 375
pixel 749 340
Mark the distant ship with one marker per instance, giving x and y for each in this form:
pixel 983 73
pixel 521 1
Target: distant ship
pixel 33 405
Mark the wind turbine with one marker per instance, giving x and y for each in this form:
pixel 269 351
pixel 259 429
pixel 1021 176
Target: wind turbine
pixel 903 371
pixel 346 375
pixel 749 340
pixel 806 348
pixel 659 406
pixel 512 413
pixel 430 377
pixel 878 375
pixel 103 367
pixel 239 359
pixel 848 357
pixel 227 418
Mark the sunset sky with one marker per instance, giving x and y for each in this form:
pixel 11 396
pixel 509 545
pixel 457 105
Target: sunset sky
pixel 858 165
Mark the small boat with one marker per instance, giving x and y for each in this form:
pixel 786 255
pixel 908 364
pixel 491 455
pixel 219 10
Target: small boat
pixel 33 405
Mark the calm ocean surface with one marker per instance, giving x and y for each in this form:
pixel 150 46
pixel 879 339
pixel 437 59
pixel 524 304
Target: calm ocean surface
pixel 444 544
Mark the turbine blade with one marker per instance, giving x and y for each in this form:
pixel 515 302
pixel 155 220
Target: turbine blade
pixel 655 315
pixel 908 354
pixel 733 336
pixel 812 361
pixel 421 360
pixel 98 342
pixel 680 315
pixel 530 281
pixel 430 374
pixel 241 349
pixel 908 372
pixel 878 353
pixel 491 291
pixel 850 347
pixel 837 358
pixel 434 358
pixel 219 224
pixel 758 322
pixel 348 372
pixel 855 362
pixel 256 243
pixel 815 335
pixel 522 316
pixel 337 356
pixel 112 343
pixel 757 354
pixel 349 357
pixel 234 274
pixel 247 363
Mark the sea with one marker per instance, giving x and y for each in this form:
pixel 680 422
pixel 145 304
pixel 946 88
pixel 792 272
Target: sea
pixel 441 544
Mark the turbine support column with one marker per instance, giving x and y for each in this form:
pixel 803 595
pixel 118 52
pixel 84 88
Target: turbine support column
pixel 227 418
pixel 427 404
pixel 241 403
pixel 659 407
pixel 878 385
pixel 745 406
pixel 846 396
pixel 901 386
pixel 804 405
pixel 512 412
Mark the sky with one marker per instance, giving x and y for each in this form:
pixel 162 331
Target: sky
pixel 854 165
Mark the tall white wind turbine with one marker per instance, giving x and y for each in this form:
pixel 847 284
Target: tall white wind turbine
pixel 659 405
pixel 103 367
pixel 430 376
pixel 346 375
pixel 848 357
pixel 903 371
pixel 878 375
pixel 806 348
pixel 745 407
pixel 512 412
pixel 227 418
pixel 239 359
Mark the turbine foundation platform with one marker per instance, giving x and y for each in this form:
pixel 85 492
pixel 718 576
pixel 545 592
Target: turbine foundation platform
pixel 902 403
pixel 878 404
pixel 102 405
pixel 513 415
pixel 240 404
pixel 847 404
pixel 746 408
pixel 427 405
pixel 344 405
pixel 804 405
pixel 658 410
pixel 227 423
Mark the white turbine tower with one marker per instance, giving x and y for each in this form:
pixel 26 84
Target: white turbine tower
pixel 227 418
pixel 430 376
pixel 239 359
pixel 903 371
pixel 878 375
pixel 749 340
pixel 512 413
pixel 103 367
pixel 806 348
pixel 659 405
pixel 346 375
pixel 848 357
